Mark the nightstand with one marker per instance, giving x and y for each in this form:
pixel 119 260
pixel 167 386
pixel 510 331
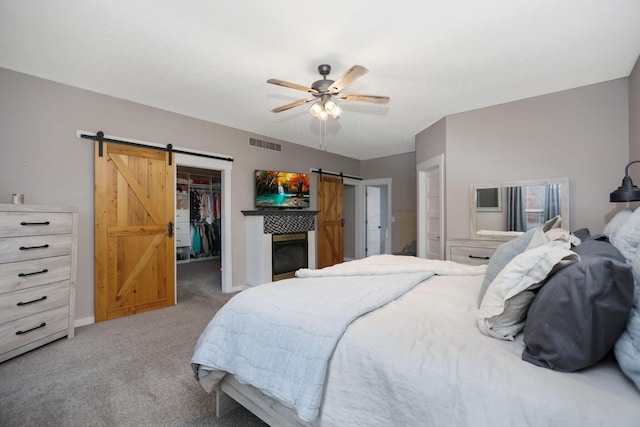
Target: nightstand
pixel 471 252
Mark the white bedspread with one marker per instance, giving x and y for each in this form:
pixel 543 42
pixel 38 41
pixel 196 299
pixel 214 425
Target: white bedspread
pixel 421 361
pixel 391 264
pixel 280 336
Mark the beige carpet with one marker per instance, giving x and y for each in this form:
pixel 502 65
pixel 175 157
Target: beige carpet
pixel 133 371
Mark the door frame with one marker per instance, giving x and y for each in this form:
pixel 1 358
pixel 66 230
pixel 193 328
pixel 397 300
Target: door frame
pixel 362 202
pixel 225 221
pixel 359 214
pixel 422 169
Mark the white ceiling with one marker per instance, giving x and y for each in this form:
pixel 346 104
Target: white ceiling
pixel 211 59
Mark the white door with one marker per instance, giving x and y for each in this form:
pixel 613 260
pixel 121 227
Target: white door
pixel 373 221
pixel 431 208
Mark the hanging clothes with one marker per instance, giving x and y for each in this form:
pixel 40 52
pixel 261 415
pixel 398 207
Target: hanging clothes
pixel 205 217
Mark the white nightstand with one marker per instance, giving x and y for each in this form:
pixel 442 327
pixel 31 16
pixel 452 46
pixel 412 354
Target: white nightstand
pixel 471 252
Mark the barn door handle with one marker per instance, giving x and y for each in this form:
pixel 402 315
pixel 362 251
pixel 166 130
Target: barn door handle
pixel 342 223
pixel 170 229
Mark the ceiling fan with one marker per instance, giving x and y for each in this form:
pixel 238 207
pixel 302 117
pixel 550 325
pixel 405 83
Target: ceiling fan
pixel 326 91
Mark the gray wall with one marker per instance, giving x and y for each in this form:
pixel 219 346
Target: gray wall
pixel 580 133
pixel 42 158
pixel 432 141
pixel 401 169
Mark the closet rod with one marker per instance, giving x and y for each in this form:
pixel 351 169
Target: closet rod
pixel 99 136
pixel 340 174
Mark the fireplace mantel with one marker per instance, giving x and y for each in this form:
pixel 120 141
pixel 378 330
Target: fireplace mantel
pixel 260 226
pixel 279 212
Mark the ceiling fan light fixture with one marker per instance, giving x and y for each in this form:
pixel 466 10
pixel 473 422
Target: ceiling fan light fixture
pixel 325 90
pixel 316 109
pixel 329 105
pixel 335 111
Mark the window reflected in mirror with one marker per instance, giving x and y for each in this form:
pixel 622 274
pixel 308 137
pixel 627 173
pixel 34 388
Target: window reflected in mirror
pixel 504 210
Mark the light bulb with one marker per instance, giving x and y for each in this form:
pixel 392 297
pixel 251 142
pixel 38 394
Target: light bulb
pixel 322 115
pixel 329 105
pixel 335 111
pixel 315 109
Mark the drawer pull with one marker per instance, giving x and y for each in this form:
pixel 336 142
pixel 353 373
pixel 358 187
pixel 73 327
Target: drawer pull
pixel 41 325
pixel 35 272
pixel 35 223
pixel 479 257
pixel 26 248
pixel 22 304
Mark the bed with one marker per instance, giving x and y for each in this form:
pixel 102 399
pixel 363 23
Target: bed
pixel 415 356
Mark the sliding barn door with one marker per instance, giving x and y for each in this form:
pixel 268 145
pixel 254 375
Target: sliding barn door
pixel 134 247
pixel 330 221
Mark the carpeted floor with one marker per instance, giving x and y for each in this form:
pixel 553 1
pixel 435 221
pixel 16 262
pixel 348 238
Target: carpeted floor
pixel 132 371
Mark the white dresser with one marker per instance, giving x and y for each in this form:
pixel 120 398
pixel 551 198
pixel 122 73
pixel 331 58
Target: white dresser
pixel 38 259
pixel 472 252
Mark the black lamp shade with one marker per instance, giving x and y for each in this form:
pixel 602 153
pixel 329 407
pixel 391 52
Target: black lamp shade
pixel 627 192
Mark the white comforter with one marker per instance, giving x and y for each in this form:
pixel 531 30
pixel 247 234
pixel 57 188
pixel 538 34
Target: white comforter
pixel 421 361
pixel 279 336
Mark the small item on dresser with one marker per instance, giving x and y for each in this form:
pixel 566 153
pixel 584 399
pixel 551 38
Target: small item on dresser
pixel 17 199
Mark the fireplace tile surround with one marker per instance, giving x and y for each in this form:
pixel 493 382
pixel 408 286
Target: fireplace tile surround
pixel 260 226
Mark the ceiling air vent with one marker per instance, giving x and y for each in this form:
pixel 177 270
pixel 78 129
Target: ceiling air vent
pixel 265 144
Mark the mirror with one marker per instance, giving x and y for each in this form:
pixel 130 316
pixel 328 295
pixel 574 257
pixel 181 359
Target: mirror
pixel 504 210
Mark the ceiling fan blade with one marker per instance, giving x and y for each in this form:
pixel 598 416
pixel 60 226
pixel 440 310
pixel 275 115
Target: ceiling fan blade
pixel 292 85
pixel 364 98
pixel 293 104
pixel 348 78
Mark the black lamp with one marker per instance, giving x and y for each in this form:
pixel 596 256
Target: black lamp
pixel 627 192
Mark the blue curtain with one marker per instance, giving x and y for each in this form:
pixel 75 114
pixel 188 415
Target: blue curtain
pixel 516 216
pixel 551 201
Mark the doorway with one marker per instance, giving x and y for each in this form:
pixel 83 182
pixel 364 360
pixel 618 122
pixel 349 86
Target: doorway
pixel 206 269
pixel 431 237
pixel 198 231
pixel 376 234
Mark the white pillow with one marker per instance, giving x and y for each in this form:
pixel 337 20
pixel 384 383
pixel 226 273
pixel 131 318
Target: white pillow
pixel 627 348
pixel 627 236
pixel 505 304
pixel 611 229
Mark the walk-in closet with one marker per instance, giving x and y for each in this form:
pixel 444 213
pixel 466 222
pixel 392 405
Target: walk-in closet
pixel 198 229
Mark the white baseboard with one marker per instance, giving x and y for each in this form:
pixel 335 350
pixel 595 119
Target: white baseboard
pixel 84 322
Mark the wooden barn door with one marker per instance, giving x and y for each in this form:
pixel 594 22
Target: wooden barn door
pixel 134 247
pixel 330 221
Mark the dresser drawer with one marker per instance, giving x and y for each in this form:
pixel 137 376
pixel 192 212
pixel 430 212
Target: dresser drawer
pixel 25 330
pixel 183 240
pixel 35 223
pixel 182 228
pixel 471 255
pixel 33 300
pixel 34 247
pixel 27 274
pixel 182 215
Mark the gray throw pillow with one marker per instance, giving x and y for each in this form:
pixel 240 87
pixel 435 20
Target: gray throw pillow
pixel 551 223
pixel 501 257
pixel 580 311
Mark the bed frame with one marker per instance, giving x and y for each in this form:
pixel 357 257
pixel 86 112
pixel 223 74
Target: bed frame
pixel 231 394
